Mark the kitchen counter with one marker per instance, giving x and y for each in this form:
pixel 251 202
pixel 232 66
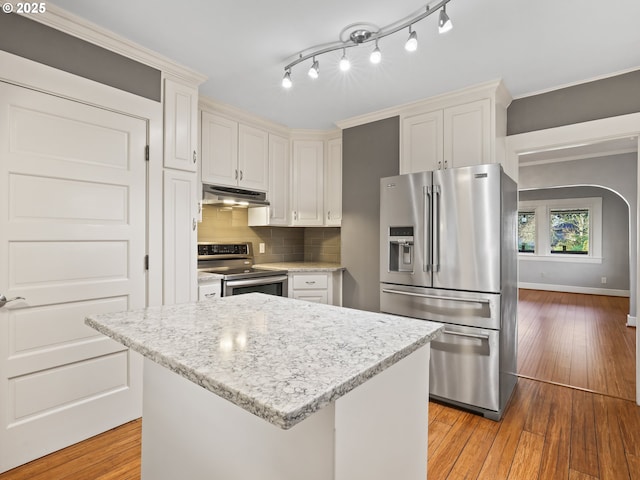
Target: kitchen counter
pixel 204 277
pixel 301 266
pixel 302 367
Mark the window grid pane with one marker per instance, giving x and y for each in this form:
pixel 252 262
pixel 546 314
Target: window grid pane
pixel 569 231
pixel 526 232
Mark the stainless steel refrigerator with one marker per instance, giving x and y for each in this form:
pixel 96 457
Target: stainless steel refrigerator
pixel 448 254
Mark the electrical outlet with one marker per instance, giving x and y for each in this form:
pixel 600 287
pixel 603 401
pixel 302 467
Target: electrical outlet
pixel 603 280
pixel 261 247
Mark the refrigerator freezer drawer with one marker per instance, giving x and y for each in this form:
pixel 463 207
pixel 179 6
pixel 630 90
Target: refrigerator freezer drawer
pixel 465 367
pixel 447 306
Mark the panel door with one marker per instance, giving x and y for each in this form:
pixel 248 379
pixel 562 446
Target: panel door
pixel 219 150
pixel 72 242
pixel 279 184
pixel 422 147
pixel 333 184
pixel 467 134
pixel 308 183
pixel 180 250
pixel 181 126
pixel 253 158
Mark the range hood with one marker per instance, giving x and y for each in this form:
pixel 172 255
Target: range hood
pixel 232 196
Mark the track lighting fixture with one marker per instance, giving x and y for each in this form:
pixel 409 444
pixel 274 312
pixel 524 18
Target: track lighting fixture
pixel 365 32
pixel 412 41
pixel 315 69
pixel 376 55
pixel 444 22
pixel 286 80
pixel 345 64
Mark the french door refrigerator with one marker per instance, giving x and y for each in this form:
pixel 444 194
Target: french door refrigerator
pixel 448 254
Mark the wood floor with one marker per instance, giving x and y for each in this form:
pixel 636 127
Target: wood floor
pixel 549 431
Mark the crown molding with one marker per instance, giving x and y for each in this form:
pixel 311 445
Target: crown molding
pixel 493 89
pixel 81 28
pixel 234 113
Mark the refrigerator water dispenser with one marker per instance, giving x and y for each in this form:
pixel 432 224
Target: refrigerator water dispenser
pixel 401 249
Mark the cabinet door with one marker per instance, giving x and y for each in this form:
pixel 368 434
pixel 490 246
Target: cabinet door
pixel 467 134
pixel 253 158
pixel 181 126
pixel 180 283
pixel 279 183
pixel 422 142
pixel 219 138
pixel 333 183
pixel 308 184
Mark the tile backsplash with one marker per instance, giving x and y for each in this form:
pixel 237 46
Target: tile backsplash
pixel 282 244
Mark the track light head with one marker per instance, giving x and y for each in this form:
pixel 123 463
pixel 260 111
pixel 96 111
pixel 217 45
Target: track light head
pixel 345 64
pixel 412 41
pixel 444 22
pixel 314 71
pixel 286 80
pixel 376 55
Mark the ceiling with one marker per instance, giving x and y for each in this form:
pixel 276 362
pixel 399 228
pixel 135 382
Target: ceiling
pixel 242 47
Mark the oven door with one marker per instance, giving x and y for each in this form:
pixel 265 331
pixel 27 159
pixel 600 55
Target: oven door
pixel 271 285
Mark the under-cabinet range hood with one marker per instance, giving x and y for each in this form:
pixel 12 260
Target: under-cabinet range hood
pixel 232 196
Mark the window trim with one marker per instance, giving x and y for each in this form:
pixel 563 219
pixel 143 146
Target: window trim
pixel 542 209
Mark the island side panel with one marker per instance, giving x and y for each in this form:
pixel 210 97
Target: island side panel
pixel 189 432
pixel 382 425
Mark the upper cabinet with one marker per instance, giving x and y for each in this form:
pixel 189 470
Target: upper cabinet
pixel 333 183
pixel 180 126
pixel 456 130
pixel 307 195
pixel 233 154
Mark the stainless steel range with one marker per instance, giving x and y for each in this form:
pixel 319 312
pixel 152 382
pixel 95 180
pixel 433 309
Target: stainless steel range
pixel 234 261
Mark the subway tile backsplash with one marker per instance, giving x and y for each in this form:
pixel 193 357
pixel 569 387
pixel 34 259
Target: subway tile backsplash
pixel 282 244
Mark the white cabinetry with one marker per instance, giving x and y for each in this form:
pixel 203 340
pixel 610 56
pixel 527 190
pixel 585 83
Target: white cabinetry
pixel 180 238
pixel 333 183
pixel 456 130
pixel 277 213
pixel 233 154
pixel 318 287
pixel 307 200
pixel 180 126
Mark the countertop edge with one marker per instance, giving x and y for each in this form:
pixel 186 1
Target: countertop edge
pixel 300 267
pixel 273 416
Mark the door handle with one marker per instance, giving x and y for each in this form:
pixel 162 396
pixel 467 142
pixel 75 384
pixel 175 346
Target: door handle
pixel 436 229
pixel 4 300
pixel 426 218
pixel 467 335
pixel 436 297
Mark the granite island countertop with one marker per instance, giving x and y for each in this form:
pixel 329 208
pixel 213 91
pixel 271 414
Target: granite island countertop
pixel 278 358
pixel 301 266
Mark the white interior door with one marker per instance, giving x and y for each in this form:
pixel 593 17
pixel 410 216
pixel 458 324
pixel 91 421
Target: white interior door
pixel 72 243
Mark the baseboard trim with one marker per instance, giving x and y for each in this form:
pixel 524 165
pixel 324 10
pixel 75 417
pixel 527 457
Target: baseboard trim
pixel 631 321
pixel 574 289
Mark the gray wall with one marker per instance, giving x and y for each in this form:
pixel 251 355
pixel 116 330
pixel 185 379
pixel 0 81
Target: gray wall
pixel 615 245
pixel 30 39
pixel 617 173
pixel 369 152
pixel 609 97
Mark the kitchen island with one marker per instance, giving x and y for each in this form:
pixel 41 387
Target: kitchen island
pixel 262 387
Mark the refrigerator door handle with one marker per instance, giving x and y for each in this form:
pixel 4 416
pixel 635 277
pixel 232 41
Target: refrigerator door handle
pixel 437 297
pixel 436 229
pixel 427 227
pixel 467 335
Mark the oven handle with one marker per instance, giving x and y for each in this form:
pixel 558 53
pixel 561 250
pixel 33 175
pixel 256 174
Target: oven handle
pixel 256 281
pixel 468 335
pixel 436 297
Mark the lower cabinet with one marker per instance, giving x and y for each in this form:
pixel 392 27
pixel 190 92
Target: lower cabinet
pixel 318 287
pixel 209 290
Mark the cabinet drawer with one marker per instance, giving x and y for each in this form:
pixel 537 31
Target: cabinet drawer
pixel 316 296
pixel 314 281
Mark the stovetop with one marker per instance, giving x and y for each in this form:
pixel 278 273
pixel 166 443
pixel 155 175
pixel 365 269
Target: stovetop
pixel 231 260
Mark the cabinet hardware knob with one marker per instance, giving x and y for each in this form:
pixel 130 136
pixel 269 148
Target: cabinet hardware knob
pixel 194 224
pixel 240 174
pixel 329 215
pixel 236 173
pixel 439 164
pixel 446 164
pixel 310 282
pixel 195 156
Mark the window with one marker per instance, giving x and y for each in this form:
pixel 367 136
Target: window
pixel 527 232
pixel 561 230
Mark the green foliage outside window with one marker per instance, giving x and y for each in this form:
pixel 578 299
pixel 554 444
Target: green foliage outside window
pixel 526 232
pixel 569 230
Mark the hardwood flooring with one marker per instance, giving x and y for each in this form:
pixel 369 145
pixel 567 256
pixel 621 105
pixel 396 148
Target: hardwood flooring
pixel 549 431
pixel 577 340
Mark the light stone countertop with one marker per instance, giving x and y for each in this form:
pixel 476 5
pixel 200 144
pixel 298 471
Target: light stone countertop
pixel 204 277
pixel 278 358
pixel 301 266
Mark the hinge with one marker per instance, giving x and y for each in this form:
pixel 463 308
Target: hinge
pixel 146 153
pixel 146 262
